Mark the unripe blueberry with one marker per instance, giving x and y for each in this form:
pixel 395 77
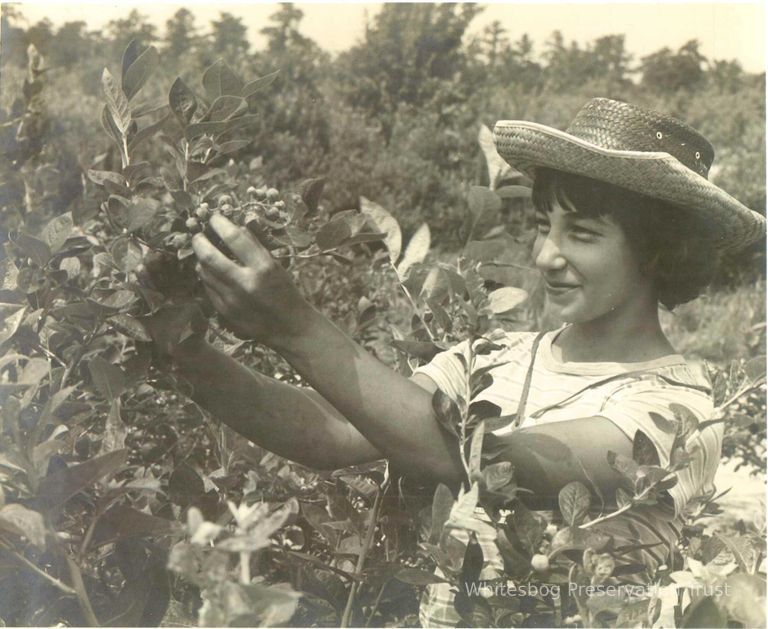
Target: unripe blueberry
pixel 261 193
pixel 272 213
pixel 272 195
pixel 280 205
pixel 192 224
pixel 251 191
pixel 540 563
pixel 224 199
pixel 226 209
pixel 202 212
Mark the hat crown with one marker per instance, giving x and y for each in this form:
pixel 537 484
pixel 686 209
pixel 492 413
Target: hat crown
pixel 620 126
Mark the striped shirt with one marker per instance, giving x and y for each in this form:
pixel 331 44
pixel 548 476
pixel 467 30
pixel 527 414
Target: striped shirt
pixel 625 393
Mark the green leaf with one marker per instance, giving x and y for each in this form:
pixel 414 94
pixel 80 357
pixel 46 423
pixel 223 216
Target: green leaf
pixel 8 274
pixel 115 430
pixel 139 71
pixel 59 487
pixel 687 421
pixel 109 379
pixel 130 326
pixel 182 102
pixel 663 424
pixel 220 80
pixel 12 316
pixel 704 613
pixel 225 148
pixel 755 369
pixel 258 84
pixel 446 412
pixel 482 200
pixel 332 234
pixel 436 286
pixel 18 519
pixel 383 221
pixel 57 230
pixel 574 500
pixel 528 526
pixel 71 266
pixel 415 252
pixel 475 452
pixel 101 177
pixel 473 561
pixel 122 522
pixel 311 190
pixel 506 299
pixel 643 450
pixel 220 127
pixel 147 132
pixel 442 503
pixel 126 253
pixel 185 484
pixel 499 478
pixel 623 465
pixel 117 103
pixel 225 107
pixel 109 126
pixel 414 576
pixel 130 54
pixel 141 212
pixel 497 167
pixel 572 538
pixel 33 248
pixel 34 371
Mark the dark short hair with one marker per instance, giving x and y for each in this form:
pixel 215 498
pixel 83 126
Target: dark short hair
pixel 672 245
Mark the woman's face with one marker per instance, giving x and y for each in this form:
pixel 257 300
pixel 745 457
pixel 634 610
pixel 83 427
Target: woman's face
pixel 588 265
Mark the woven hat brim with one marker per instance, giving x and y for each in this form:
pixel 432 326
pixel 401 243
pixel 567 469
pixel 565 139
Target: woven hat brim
pixel 529 145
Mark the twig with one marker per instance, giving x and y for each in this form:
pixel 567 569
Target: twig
pixel 376 603
pixel 608 516
pixel 82 594
pixel 345 618
pixel 245 567
pixel 52 580
pixel 413 305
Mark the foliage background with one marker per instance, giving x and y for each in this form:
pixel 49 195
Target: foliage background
pixel 395 120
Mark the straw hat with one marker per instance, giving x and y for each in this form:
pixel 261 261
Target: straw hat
pixel 638 149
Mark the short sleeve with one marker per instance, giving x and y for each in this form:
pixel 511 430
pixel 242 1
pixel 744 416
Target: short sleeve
pixel 645 405
pixel 447 369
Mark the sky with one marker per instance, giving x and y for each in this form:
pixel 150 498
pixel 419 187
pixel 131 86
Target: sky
pixel 730 30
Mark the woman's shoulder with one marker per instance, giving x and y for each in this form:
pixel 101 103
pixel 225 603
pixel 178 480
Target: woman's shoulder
pixel 685 382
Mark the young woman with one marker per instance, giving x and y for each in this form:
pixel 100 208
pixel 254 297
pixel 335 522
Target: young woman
pixel 626 220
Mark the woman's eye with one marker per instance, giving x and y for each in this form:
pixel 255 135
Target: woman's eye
pixel 582 233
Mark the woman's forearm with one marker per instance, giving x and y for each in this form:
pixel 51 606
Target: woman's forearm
pixel 392 412
pixel 292 422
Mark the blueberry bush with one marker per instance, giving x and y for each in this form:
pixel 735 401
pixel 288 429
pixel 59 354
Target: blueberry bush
pixel 123 503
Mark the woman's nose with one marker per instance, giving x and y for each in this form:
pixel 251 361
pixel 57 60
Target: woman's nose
pixel 549 257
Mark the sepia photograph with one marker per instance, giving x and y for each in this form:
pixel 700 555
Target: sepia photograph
pixel 383 314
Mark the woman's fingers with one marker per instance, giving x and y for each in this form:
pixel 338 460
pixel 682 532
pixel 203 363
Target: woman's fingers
pixel 211 257
pixel 249 250
pixel 211 285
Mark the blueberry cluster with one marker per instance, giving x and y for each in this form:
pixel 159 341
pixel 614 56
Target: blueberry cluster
pixel 262 212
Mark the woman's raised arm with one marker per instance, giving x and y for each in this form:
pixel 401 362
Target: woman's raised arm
pixel 393 414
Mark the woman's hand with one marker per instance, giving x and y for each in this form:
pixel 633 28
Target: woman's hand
pixel 254 294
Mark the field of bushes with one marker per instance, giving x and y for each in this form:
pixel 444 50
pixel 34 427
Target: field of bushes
pixel 369 175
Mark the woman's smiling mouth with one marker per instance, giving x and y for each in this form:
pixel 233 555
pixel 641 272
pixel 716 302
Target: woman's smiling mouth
pixel 559 288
